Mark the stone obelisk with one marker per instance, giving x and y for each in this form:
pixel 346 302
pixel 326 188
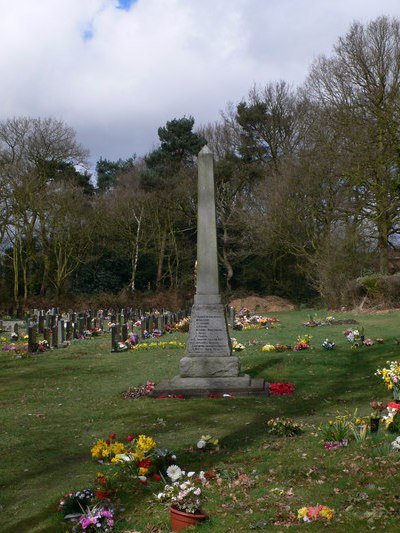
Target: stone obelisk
pixel 209 366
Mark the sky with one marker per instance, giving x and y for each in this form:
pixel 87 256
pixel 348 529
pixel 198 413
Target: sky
pixel 117 70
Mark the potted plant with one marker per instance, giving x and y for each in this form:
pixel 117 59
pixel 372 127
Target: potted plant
pixel 183 495
pixel 376 415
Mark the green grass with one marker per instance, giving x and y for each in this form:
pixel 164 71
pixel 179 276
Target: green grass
pixel 56 405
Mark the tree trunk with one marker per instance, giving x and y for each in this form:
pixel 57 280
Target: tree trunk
pixel 161 256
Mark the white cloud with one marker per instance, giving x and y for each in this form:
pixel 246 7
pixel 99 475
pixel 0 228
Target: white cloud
pixel 159 60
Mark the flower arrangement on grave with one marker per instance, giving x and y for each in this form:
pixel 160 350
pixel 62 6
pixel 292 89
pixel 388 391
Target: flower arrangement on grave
pixel 103 485
pixel 142 390
pixel 139 460
pixel 208 443
pixel 303 343
pixel 97 518
pixel 162 344
pixel 280 388
pixel 121 347
pixel 268 348
pixel 74 502
pixel 358 427
pixel 392 418
pixel 377 407
pixel 316 513
pixel 237 346
pixel 282 347
pixel 153 334
pixel 336 432
pixel 390 376
pixel 328 345
pixel 18 349
pixel 132 340
pixel 355 337
pixel 95 331
pixel 184 491
pixel 368 342
pixel 283 427
pixel 183 325
pixel 106 450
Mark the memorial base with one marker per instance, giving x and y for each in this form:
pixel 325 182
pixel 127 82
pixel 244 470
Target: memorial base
pixel 203 387
pixel 209 367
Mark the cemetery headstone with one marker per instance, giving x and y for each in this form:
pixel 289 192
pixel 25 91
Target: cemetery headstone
pixel 54 336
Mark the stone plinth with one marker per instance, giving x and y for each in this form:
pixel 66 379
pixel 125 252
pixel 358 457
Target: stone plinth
pixel 203 387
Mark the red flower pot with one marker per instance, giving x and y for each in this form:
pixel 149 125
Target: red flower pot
pixel 181 520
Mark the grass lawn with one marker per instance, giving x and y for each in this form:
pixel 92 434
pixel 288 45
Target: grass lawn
pixel 56 405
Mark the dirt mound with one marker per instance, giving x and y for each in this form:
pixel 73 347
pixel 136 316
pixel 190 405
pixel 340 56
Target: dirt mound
pixel 260 305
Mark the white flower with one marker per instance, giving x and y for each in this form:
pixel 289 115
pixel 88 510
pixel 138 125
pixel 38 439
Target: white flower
pixel 396 444
pixel 120 457
pixel 190 474
pixel 201 444
pixel 174 472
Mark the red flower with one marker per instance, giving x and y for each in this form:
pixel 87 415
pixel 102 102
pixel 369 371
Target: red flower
pixel 145 463
pixel 281 388
pixel 394 405
pixel 157 477
pixel 112 436
pixel 108 442
pixel 130 438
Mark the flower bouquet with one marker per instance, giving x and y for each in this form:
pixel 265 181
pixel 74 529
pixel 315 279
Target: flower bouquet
pixel 283 427
pixel 328 345
pixel 303 343
pixel 237 346
pixel 311 514
pixel 138 460
pixel 208 443
pixel 97 518
pixel 391 377
pixel 392 418
pixel 73 503
pixel 106 450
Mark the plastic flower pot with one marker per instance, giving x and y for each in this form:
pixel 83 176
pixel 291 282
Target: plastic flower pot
pixel 181 520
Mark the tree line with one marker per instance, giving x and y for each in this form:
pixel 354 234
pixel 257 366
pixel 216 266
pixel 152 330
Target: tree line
pixel 307 190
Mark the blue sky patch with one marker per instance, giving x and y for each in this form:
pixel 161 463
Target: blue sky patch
pixel 125 4
pixel 88 33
